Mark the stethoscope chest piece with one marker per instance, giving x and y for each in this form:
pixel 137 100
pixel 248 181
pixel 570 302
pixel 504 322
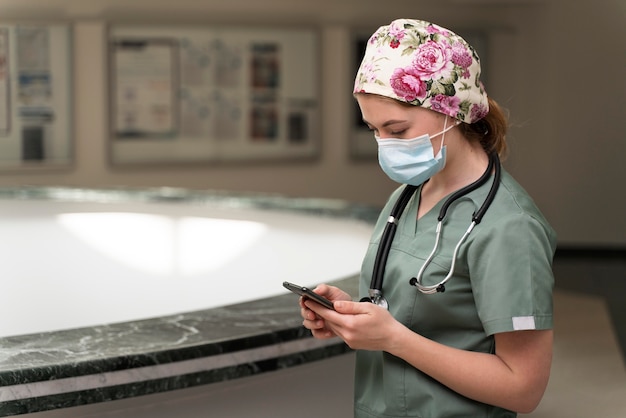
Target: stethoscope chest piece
pixel 376 297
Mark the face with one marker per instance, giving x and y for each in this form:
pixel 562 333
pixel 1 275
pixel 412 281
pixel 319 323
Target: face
pixel 391 119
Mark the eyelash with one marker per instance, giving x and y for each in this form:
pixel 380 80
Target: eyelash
pixel 392 133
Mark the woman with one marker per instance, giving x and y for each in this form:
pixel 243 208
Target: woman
pixel 476 342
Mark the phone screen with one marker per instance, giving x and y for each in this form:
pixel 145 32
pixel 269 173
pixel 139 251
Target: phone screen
pixel 308 293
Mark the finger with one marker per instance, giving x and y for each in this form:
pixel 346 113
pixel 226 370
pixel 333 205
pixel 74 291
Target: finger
pixel 319 310
pixel 305 308
pixel 323 289
pixel 322 334
pixel 331 292
pixel 306 313
pixel 315 324
pixel 353 308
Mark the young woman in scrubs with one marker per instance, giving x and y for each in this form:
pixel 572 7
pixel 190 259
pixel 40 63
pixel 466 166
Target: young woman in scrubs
pixel 482 347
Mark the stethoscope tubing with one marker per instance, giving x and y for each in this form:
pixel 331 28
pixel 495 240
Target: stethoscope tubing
pixel 387 237
pixel 476 219
pixel 384 248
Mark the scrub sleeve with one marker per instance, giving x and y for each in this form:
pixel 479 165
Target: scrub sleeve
pixel 502 282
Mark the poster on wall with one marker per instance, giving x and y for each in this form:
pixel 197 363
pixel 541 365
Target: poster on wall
pixel 35 99
pixel 34 90
pixel 214 95
pixel 144 79
pixel 5 104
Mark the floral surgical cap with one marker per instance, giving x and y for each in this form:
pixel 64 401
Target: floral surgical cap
pixel 425 65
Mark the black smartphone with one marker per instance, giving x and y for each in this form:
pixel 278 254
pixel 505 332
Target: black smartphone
pixel 308 293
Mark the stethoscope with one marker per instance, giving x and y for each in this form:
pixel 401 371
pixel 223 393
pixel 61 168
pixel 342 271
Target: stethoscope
pixel 376 285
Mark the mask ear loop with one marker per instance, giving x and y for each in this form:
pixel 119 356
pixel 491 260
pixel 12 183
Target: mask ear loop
pixel 446 128
pixel 443 136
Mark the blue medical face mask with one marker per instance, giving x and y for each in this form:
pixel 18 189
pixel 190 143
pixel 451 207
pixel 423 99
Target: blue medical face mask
pixel 411 161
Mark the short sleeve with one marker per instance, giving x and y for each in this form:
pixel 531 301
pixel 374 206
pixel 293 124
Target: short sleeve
pixel 511 274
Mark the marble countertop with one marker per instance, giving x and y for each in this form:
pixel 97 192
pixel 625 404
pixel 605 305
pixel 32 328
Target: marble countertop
pixel 86 365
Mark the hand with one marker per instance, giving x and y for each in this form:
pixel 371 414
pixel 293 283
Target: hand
pixel 314 322
pixel 361 325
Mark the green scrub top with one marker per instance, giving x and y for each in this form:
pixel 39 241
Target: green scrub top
pixel 502 282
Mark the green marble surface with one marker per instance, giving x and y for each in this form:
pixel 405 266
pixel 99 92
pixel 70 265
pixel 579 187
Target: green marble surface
pixel 79 366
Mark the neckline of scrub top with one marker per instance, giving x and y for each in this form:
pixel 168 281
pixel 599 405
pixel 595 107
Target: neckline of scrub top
pixel 430 218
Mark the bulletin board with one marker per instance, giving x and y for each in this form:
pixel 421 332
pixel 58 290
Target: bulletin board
pixel 35 95
pixel 213 94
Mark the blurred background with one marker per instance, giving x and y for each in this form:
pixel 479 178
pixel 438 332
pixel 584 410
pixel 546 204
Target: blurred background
pixel 556 65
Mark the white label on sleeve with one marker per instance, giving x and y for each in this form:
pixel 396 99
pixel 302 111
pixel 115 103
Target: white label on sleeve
pixel 523 322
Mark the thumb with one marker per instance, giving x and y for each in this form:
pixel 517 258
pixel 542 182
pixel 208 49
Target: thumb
pixel 347 307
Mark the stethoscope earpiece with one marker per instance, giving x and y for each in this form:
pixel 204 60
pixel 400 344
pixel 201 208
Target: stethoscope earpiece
pixel 439 289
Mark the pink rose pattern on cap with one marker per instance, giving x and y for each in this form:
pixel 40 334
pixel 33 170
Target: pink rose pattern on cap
pixel 423 64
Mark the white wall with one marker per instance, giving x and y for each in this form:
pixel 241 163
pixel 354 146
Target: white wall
pixel 556 64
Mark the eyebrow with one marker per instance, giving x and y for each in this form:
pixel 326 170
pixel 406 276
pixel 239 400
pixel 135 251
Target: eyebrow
pixel 389 122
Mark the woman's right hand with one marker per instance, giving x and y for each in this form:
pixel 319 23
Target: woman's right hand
pixel 311 320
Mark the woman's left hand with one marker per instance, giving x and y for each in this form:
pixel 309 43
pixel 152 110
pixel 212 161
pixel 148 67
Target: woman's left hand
pixel 361 325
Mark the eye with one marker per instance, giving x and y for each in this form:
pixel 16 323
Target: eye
pixel 398 133
pixel 372 129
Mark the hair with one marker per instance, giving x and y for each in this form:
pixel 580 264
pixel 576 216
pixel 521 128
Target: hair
pixel 490 131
